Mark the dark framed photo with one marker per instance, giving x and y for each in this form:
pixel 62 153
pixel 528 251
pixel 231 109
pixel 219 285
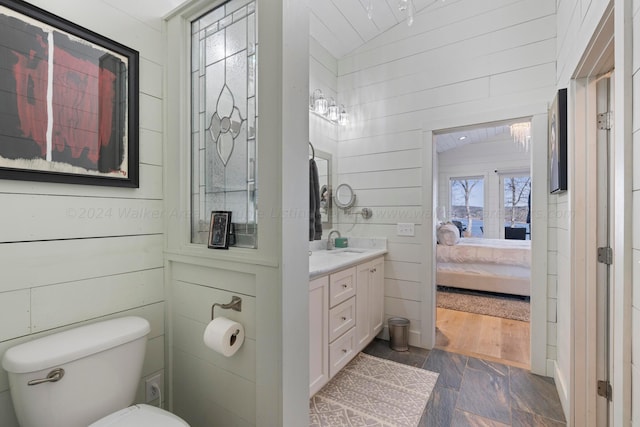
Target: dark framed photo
pixel 69 101
pixel 219 230
pixel 558 143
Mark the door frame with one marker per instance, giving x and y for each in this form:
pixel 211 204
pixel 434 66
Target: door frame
pixel 601 55
pixel 537 113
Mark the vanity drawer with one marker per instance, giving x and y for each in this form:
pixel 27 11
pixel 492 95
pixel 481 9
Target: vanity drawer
pixel 341 351
pixel 342 318
pixel 342 286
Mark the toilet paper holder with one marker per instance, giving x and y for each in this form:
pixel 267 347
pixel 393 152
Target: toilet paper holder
pixel 235 304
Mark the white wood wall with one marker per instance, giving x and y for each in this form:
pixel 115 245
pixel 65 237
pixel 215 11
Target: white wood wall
pixel 73 254
pixel 323 75
pixel 464 63
pixel 635 319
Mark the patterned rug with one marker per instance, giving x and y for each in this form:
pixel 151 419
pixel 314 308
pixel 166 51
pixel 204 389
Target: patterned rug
pixel 373 392
pixel 489 304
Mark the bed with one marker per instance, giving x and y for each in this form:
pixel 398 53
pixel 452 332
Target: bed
pixel 493 265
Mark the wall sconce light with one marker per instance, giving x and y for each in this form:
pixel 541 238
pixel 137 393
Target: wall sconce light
pixel 344 117
pixel 328 110
pixel 334 113
pixel 320 104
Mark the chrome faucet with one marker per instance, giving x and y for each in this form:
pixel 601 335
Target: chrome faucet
pixel 329 238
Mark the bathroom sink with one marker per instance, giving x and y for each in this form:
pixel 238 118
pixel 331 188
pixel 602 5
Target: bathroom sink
pixel 346 251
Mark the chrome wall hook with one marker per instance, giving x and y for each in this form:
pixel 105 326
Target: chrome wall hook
pixel 235 304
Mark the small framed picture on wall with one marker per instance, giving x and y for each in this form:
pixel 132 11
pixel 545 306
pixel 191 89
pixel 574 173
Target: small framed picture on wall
pixel 219 230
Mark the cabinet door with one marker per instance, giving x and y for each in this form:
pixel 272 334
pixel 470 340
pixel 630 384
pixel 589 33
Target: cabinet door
pixel 318 334
pixel 363 304
pixel 376 292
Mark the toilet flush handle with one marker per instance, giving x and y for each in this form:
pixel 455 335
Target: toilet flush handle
pixel 52 377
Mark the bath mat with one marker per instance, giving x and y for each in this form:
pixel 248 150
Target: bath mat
pixel 370 391
pixel 497 305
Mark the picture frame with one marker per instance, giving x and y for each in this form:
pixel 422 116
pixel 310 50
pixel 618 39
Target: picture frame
pixel 70 101
pixel 558 143
pixel 219 230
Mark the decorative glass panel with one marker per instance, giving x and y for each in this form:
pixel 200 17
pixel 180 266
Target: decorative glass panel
pixel 224 120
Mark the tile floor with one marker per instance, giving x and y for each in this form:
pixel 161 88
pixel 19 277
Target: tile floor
pixel 474 392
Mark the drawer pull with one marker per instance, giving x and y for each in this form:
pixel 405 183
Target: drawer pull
pixel 344 350
pixel 344 318
pixel 344 285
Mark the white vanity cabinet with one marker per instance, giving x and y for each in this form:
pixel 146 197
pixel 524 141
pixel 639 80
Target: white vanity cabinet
pixel 345 314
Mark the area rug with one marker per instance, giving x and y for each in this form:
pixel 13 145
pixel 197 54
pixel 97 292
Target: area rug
pixel 370 391
pixel 497 305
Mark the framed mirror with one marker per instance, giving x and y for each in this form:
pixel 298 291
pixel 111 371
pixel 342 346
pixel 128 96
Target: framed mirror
pixel 345 197
pixel 323 162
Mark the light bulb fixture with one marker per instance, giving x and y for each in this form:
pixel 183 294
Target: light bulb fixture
pixel 344 117
pixel 327 109
pixel 334 112
pixel 521 133
pixel 320 104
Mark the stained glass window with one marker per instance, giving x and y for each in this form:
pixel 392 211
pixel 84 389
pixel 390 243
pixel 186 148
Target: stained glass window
pixel 224 120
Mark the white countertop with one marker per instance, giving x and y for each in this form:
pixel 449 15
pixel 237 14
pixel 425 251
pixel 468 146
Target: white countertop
pixel 323 261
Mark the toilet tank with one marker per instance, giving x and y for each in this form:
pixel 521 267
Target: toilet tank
pixel 102 365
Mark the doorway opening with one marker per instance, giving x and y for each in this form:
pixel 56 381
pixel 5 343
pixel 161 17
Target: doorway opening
pixel 482 177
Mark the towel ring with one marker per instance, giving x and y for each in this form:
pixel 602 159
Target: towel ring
pixel 313 151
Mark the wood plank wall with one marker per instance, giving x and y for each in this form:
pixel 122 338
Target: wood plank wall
pixel 460 60
pixel 635 315
pixel 74 254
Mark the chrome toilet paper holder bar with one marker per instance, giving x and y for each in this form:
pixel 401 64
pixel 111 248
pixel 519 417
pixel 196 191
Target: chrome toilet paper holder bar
pixel 235 304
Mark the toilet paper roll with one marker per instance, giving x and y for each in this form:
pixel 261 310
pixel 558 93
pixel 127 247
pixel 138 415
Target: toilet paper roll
pixel 224 336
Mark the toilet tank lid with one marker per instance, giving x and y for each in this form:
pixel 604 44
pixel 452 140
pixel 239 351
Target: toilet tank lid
pixel 67 346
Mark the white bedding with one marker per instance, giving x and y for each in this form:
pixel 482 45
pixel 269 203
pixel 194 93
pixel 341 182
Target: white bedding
pixel 494 270
pixel 490 251
pixel 494 265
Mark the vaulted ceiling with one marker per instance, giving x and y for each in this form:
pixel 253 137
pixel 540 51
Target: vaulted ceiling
pixel 341 26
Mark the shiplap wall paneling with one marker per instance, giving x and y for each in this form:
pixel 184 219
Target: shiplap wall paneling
pixel 196 367
pixel 94 297
pixel 401 82
pixel 635 317
pixel 58 217
pixel 74 254
pixel 60 261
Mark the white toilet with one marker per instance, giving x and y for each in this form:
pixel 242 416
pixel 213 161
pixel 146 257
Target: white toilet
pixel 82 377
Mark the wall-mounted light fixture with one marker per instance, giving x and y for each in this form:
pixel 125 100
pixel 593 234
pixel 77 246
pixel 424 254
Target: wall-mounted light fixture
pixel 327 109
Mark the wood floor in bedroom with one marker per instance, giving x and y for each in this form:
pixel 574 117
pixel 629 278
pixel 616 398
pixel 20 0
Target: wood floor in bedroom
pixel 485 337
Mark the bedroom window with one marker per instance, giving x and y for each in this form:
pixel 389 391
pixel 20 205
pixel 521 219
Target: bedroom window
pixel 516 203
pixel 467 204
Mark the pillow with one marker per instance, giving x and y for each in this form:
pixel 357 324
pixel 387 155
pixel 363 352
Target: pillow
pixel 448 234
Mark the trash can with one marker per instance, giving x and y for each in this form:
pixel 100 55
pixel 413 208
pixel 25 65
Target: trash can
pixel 399 333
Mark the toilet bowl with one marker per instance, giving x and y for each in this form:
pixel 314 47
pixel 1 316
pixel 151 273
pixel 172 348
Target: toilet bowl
pixel 50 378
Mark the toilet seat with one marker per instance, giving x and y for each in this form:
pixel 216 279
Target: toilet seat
pixel 140 416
